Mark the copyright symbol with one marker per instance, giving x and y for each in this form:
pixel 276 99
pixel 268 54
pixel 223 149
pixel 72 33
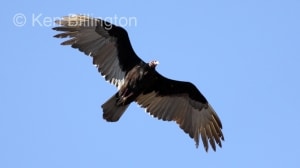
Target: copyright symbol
pixel 19 19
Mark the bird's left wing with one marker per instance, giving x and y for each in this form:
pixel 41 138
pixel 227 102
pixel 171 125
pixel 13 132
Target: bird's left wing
pixel 182 102
pixel 108 44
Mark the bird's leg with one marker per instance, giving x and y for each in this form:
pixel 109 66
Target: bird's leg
pixel 123 97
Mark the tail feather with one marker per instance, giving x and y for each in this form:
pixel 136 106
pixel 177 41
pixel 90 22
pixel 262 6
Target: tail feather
pixel 111 111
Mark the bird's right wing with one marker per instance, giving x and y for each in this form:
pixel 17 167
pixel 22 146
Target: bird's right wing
pixel 108 44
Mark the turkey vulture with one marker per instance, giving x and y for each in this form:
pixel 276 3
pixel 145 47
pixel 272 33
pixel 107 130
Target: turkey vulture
pixel 137 81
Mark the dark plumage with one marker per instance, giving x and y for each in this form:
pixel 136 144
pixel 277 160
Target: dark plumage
pixel 137 81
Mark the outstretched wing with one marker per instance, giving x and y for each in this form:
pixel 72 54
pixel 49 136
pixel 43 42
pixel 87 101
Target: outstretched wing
pixel 182 102
pixel 109 45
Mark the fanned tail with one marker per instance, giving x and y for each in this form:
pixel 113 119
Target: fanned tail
pixel 111 111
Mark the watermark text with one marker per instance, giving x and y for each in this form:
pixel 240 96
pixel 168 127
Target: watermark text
pixel 41 20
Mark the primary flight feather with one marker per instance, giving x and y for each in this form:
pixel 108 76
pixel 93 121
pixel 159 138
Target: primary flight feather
pixel 137 81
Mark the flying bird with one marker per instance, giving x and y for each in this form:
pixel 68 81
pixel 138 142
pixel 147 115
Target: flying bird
pixel 138 81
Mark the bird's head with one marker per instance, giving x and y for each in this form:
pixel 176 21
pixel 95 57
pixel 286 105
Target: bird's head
pixel 152 64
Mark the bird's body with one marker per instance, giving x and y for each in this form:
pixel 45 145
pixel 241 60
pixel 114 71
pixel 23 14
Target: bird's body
pixel 137 81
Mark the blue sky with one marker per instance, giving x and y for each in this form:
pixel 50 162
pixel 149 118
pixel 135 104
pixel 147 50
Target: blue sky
pixel 244 56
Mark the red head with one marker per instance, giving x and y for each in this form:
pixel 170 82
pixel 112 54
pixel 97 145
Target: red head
pixel 153 64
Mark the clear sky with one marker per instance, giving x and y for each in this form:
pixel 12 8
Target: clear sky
pixel 244 56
